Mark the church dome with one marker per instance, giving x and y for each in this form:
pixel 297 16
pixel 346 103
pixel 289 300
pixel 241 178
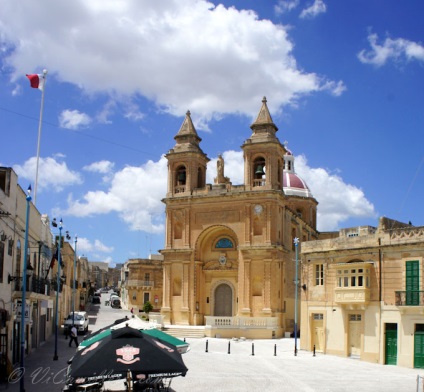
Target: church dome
pixel 293 185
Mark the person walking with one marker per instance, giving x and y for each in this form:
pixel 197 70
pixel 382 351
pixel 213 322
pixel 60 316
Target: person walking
pixel 74 336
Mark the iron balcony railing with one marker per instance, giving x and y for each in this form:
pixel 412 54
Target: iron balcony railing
pixel 409 298
pixel 34 284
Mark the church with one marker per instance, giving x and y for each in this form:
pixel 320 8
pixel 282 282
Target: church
pixel 229 256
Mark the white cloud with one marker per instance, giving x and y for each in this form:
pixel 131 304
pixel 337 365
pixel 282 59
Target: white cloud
pixel 181 54
pixel 86 246
pixel 391 49
pixel 73 119
pixel 52 174
pixel 318 7
pixel 140 206
pixel 337 200
pixel 135 194
pixel 284 6
pixel 103 167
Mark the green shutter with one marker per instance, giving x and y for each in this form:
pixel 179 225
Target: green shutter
pixel 412 283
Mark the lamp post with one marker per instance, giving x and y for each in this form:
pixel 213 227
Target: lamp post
pixel 296 283
pixel 55 358
pixel 23 304
pixel 73 287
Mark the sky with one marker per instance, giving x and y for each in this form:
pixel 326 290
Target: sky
pixel 344 82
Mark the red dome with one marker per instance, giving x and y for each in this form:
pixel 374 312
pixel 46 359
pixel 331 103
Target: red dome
pixel 294 185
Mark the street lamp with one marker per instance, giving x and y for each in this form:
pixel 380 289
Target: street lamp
pixel 58 281
pixel 73 287
pixel 296 283
pixel 23 304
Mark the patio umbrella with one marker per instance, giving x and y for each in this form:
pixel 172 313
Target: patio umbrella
pixel 125 350
pixel 136 323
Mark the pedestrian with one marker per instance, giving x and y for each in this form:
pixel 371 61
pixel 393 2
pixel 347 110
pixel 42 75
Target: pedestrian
pixel 74 336
pixel 132 310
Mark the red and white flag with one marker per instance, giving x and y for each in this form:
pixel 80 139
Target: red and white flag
pixel 36 80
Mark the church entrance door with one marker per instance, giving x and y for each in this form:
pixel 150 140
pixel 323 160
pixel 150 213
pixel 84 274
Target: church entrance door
pixel 223 301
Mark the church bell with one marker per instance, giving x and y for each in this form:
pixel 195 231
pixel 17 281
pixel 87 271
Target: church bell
pixel 259 170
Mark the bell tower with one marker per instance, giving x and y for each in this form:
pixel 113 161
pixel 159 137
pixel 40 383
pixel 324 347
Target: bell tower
pixel 186 161
pixel 263 154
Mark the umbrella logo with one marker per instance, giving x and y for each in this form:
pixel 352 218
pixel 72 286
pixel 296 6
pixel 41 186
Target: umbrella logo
pixel 128 353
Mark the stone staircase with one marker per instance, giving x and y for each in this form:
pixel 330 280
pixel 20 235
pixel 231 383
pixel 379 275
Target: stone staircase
pixel 184 331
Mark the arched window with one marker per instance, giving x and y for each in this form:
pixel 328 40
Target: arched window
pixel 224 243
pixel 180 180
pixel 259 172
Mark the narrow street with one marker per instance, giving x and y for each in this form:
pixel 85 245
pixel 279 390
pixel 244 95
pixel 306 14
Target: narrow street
pixel 42 373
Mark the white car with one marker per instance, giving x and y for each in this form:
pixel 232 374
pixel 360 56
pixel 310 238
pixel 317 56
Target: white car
pixel 80 320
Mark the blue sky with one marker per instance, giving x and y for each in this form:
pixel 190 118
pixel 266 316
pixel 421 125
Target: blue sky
pixel 344 82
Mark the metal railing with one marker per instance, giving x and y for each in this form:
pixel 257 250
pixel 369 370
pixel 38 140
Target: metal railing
pixel 34 284
pixel 140 283
pixel 409 298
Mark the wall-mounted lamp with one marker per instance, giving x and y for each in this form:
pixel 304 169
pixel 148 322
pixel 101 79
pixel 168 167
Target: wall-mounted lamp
pixel 11 278
pixel 30 271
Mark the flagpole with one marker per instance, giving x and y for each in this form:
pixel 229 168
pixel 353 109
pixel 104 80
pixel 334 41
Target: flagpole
pixel 39 134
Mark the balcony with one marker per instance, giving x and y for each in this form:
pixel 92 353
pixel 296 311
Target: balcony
pixel 352 295
pixel 34 284
pixel 140 283
pixel 409 298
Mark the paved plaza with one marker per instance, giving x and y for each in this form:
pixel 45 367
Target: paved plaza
pixel 228 365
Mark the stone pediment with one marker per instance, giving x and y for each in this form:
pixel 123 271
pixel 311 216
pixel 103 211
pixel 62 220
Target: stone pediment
pixel 216 265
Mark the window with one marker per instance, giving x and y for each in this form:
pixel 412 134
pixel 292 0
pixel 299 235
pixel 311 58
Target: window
pixel 224 243
pixel 353 277
pixel 147 277
pixel 134 296
pixel 318 316
pixel 319 274
pixel 355 317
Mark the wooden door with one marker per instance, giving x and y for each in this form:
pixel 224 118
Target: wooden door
pixel 223 301
pixel 419 349
pixel 355 334
pixel 391 344
pixel 318 332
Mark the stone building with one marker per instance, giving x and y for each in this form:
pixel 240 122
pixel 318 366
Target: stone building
pixel 229 253
pixel 38 318
pixel 363 296
pixel 143 282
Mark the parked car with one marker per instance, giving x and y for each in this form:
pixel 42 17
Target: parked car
pixel 115 302
pixel 95 300
pixel 79 319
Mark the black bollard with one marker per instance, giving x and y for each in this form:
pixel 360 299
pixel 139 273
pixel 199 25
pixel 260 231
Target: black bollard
pixel 275 350
pixel 253 349
pixel 314 350
pixel 206 346
pixel 184 340
pixel 229 343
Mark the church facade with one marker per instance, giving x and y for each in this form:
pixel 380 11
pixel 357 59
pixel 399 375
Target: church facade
pixel 229 255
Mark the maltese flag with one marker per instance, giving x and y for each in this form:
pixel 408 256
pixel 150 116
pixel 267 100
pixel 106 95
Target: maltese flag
pixel 36 80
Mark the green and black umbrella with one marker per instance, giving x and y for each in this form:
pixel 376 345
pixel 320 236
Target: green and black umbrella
pixel 125 351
